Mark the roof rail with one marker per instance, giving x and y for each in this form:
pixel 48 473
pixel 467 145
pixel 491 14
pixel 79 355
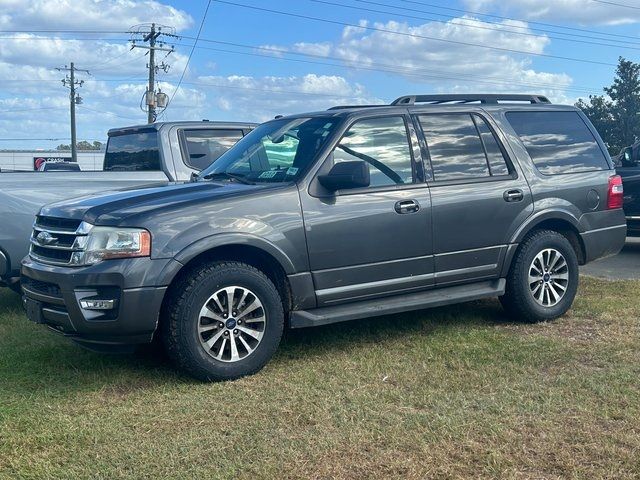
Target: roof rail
pixel 344 107
pixel 469 98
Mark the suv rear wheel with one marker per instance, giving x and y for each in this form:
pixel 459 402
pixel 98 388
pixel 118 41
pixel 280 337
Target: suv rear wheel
pixel 543 279
pixel 223 322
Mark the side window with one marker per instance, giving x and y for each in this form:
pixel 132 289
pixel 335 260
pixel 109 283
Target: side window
pixel 205 146
pixel 495 157
pixel 382 143
pixel 454 146
pixel 558 142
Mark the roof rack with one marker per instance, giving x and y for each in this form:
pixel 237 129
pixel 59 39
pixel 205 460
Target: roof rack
pixel 469 98
pixel 343 107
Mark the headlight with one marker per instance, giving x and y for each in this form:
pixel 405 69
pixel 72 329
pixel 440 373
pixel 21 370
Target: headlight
pixel 103 243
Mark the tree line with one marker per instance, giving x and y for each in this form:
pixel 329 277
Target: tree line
pixel 82 145
pixel 616 114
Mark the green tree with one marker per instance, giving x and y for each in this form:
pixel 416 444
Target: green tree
pixel 81 145
pixel 616 114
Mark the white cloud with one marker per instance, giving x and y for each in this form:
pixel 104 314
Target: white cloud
pixel 456 64
pixel 88 14
pixel 572 11
pixel 34 103
pixel 261 98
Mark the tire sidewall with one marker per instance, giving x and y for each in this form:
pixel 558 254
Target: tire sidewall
pixel 189 313
pixel 560 243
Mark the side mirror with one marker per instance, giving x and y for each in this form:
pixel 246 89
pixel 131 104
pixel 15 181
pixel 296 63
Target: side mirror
pixel 627 158
pixel 345 175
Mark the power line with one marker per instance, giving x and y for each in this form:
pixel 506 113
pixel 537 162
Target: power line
pixel 33 139
pixel 32 109
pixel 411 35
pixel 385 68
pixel 552 25
pixel 62 31
pixel 458 21
pixel 195 43
pixel 267 90
pixel 616 4
pixel 88 39
pixel 107 113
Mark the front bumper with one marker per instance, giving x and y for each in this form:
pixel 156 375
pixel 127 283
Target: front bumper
pixel 53 295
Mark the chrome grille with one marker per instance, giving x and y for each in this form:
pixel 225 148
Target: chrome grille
pixel 55 239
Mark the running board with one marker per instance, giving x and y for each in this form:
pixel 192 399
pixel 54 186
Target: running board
pixel 397 304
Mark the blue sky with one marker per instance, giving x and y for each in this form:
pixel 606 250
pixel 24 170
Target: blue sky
pixel 251 64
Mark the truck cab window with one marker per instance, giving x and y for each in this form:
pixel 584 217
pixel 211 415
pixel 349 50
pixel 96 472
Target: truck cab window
pixel 133 152
pixel 205 146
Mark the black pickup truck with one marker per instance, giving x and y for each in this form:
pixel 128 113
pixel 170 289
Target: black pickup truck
pixel 628 167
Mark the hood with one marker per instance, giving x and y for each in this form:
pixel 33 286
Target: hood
pixel 112 208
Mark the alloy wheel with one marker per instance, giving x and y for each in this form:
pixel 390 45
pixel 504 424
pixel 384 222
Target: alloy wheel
pixel 231 324
pixel 548 277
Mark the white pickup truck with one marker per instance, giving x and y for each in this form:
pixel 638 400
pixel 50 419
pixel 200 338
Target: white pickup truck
pixel 135 156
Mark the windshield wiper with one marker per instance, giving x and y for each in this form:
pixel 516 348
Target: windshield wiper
pixel 232 176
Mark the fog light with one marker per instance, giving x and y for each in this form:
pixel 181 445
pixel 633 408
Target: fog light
pixel 98 304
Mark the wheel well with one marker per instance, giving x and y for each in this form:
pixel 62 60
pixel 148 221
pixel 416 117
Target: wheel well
pixel 253 256
pixel 568 231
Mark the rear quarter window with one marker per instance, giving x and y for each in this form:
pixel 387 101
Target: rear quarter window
pixel 558 142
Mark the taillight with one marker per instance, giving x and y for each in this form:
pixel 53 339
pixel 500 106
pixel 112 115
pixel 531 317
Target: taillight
pixel 615 197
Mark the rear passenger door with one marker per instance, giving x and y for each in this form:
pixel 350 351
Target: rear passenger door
pixel 478 196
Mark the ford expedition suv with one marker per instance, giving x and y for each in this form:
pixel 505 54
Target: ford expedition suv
pixel 159 153
pixel 325 217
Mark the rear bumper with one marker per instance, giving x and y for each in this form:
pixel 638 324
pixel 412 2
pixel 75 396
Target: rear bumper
pixel 603 242
pixel 633 226
pixel 53 297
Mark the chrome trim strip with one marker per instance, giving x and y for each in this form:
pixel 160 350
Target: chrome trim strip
pixel 604 229
pixel 56 232
pixel 459 271
pixel 633 217
pixel 55 247
pixel 381 283
pixel 457 252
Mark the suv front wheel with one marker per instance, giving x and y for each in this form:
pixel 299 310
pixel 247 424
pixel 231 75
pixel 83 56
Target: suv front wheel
pixel 543 280
pixel 224 321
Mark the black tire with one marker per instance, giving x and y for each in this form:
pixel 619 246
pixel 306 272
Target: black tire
pixel 518 300
pixel 181 318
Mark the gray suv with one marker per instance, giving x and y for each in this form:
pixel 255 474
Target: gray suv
pixel 330 216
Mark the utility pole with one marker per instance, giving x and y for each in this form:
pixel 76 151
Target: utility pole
pixel 153 35
pixel 152 99
pixel 70 82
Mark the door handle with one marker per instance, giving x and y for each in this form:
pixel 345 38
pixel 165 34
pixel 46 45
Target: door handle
pixel 407 206
pixel 516 195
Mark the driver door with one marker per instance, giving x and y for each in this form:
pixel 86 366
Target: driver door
pixel 373 241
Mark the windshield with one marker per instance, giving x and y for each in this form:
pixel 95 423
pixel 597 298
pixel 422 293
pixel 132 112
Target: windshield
pixel 275 152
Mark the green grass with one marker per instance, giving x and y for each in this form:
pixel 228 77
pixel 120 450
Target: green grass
pixel 454 392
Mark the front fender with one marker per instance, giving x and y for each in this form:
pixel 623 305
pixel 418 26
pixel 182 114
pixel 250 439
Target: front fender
pixel 225 239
